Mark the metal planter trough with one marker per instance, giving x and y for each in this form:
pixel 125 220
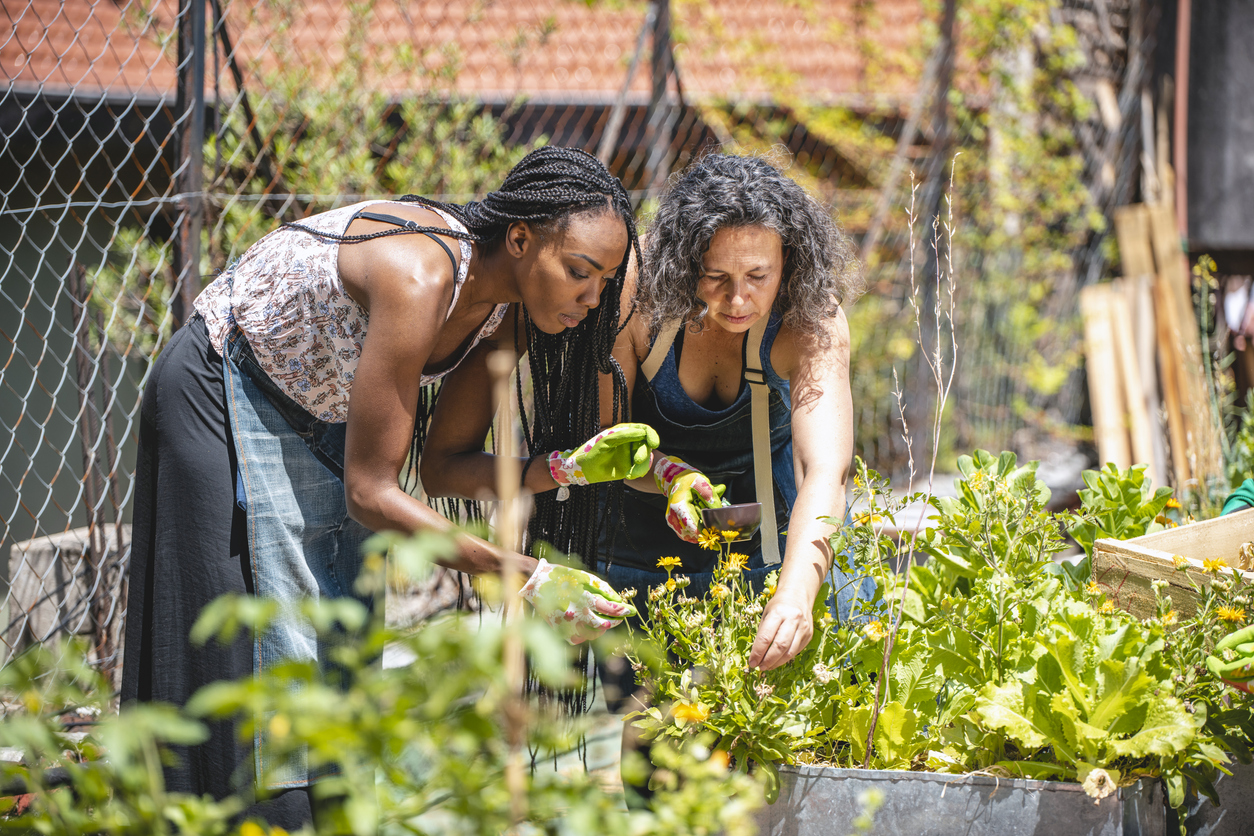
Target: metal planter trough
pixel 1233 817
pixel 822 801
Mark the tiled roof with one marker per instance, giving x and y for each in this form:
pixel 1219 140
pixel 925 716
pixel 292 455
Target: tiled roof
pixel 547 49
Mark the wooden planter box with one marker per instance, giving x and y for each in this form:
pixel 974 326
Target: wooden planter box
pixel 1125 569
pixel 822 801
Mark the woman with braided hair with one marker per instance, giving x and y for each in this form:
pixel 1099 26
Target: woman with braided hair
pixel 276 422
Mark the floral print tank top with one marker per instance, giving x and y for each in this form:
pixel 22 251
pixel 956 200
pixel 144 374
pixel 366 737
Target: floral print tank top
pixel 286 296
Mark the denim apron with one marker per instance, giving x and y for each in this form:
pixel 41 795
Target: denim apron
pixel 302 543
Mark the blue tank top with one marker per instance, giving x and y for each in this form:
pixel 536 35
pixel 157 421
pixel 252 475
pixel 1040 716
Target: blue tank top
pixel 719 443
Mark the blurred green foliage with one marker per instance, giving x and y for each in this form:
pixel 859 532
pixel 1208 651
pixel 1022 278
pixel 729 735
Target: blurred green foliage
pixel 421 748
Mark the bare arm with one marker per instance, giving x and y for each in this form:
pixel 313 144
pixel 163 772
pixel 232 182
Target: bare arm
pixel 822 438
pixel 453 459
pixel 406 284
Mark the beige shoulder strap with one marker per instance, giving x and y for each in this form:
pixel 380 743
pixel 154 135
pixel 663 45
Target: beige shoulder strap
pixel 661 345
pixel 760 405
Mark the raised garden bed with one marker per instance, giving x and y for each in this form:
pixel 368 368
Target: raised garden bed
pixel 818 801
pixel 1126 569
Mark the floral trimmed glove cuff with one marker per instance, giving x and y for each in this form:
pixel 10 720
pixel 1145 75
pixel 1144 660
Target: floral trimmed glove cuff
pixel 578 604
pixel 687 491
pixel 624 451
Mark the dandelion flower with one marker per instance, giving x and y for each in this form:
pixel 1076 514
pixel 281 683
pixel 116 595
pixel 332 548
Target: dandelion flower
pixel 729 534
pixel 1169 618
pixel 1213 565
pixel 1173 503
pixel 669 563
pixel 1233 615
pixel 720 758
pixel 1180 561
pixel 670 584
pixel 866 517
pixel 710 539
pixel 719 591
pixel 770 591
pixel 1108 608
pixel 874 630
pixel 736 562
pixel 692 712
pixel 1093 589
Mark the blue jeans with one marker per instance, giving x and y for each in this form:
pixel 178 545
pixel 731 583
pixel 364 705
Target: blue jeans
pixel 302 543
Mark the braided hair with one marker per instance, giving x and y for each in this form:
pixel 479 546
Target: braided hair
pixel 545 189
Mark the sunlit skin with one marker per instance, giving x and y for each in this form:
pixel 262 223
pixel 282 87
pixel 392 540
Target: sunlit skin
pixel 570 269
pixel 406 284
pixel 741 275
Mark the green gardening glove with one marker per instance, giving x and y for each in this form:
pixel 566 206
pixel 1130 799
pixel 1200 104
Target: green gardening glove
pixel 624 451
pixel 578 604
pixel 687 491
pixel 1233 661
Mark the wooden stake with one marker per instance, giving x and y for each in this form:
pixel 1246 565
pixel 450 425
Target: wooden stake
pixel 501 366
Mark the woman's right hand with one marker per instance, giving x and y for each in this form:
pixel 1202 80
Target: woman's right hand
pixel 578 604
pixel 687 491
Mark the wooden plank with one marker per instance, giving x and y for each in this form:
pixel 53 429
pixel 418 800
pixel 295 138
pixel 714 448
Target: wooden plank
pixel 1102 370
pixel 1220 537
pixel 1169 371
pixel 1140 296
pixel 1137 410
pixel 1132 231
pixel 1126 569
pixel 1201 430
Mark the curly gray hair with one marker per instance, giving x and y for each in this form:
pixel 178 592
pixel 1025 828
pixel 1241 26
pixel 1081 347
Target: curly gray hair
pixel 723 190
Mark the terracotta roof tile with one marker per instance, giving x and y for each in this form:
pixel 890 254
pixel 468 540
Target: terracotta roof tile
pixel 542 48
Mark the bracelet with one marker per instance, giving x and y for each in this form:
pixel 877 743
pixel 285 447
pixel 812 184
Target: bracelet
pixel 523 479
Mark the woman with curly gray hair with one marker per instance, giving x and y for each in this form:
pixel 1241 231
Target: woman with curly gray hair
pixel 744 276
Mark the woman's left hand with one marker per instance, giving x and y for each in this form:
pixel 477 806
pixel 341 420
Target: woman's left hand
pixel 787 627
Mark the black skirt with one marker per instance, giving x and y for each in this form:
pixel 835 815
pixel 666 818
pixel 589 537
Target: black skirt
pixel 189 547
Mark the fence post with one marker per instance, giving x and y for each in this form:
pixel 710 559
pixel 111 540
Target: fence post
pixel 189 172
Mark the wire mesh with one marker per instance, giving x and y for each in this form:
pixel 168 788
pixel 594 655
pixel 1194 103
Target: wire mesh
pixel 147 143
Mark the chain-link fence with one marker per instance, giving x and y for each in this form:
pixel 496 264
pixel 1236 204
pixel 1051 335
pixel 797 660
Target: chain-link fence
pixel 146 143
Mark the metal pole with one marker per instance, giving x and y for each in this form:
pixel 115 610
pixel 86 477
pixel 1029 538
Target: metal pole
pixel 191 137
pixel 657 138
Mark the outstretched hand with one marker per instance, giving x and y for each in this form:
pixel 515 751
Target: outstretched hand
pixel 787 627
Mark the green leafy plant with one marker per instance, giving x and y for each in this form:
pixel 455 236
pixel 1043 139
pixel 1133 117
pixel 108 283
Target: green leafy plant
pixel 423 748
pixel 987 657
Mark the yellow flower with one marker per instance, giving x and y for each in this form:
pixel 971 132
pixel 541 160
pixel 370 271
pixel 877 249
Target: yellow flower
pixel 690 712
pixel 866 517
pixel 1161 519
pixel 719 758
pixel 1233 615
pixel 874 630
pixel 1173 503
pixel 250 828
pixel 1213 565
pixel 670 584
pixel 736 562
pixel 770 591
pixel 1108 607
pixel 1180 561
pixel 1093 589
pixel 729 534
pixel 710 539
pixel 669 563
pixel 1169 618
pixel 719 592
